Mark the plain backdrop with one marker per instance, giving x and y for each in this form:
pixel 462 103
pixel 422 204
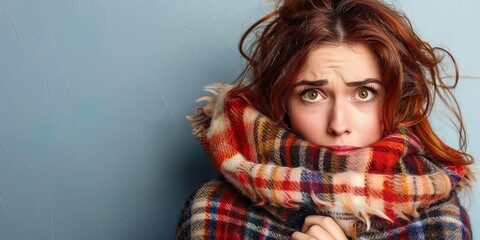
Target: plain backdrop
pixel 93 93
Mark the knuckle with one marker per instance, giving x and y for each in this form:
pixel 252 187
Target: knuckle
pixel 314 228
pixel 309 218
pixel 295 235
pixel 328 221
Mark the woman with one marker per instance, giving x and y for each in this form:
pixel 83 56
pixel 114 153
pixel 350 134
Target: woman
pixel 326 135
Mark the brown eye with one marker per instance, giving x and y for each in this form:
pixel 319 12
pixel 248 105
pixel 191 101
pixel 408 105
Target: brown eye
pixel 363 94
pixel 311 95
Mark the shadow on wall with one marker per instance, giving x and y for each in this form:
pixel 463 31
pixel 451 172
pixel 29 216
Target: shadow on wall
pixel 190 168
pixel 188 165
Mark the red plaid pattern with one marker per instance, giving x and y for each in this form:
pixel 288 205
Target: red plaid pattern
pixel 392 181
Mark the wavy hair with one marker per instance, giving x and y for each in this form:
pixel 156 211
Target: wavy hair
pixel 410 67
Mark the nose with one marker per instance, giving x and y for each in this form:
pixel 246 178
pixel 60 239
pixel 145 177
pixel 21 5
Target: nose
pixel 339 121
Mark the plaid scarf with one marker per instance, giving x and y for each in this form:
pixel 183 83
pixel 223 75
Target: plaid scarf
pixel 272 179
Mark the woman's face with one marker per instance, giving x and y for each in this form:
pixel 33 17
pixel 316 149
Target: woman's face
pixel 336 102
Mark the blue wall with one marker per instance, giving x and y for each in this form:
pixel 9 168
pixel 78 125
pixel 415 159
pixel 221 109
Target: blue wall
pixel 93 94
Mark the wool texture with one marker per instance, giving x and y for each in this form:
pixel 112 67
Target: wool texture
pixel 271 179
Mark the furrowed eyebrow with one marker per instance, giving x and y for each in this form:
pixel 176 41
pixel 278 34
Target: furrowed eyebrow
pixel 316 83
pixel 363 82
pixel 322 82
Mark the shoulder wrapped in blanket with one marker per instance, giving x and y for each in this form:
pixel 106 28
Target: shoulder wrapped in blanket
pixel 218 211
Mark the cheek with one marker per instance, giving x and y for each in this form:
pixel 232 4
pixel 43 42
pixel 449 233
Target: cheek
pixel 308 124
pixel 371 127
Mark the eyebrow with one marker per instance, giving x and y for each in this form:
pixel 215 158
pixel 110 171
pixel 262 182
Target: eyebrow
pixel 316 83
pixel 364 82
pixel 322 82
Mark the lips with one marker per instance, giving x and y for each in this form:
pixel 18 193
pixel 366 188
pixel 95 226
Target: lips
pixel 342 149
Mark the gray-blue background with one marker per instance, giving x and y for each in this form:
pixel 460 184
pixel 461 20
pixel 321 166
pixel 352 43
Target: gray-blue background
pixel 93 94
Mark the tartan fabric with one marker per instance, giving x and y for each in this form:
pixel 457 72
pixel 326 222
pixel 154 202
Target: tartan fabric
pixel 218 211
pixel 391 182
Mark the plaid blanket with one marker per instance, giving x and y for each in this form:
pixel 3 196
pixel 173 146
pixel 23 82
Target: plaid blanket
pixel 272 179
pixel 219 211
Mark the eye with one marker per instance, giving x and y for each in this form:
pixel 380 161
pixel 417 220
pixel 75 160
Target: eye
pixel 311 95
pixel 365 94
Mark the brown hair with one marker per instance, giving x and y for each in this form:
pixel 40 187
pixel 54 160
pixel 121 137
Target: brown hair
pixel 410 67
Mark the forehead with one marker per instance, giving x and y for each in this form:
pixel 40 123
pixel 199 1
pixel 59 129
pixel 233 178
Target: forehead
pixel 353 61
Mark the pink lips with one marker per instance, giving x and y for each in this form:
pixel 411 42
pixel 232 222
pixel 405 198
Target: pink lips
pixel 342 149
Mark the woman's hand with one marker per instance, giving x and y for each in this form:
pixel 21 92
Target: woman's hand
pixel 319 228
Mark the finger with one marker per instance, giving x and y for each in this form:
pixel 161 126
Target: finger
pixel 319 233
pixel 326 223
pixel 322 221
pixel 301 236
